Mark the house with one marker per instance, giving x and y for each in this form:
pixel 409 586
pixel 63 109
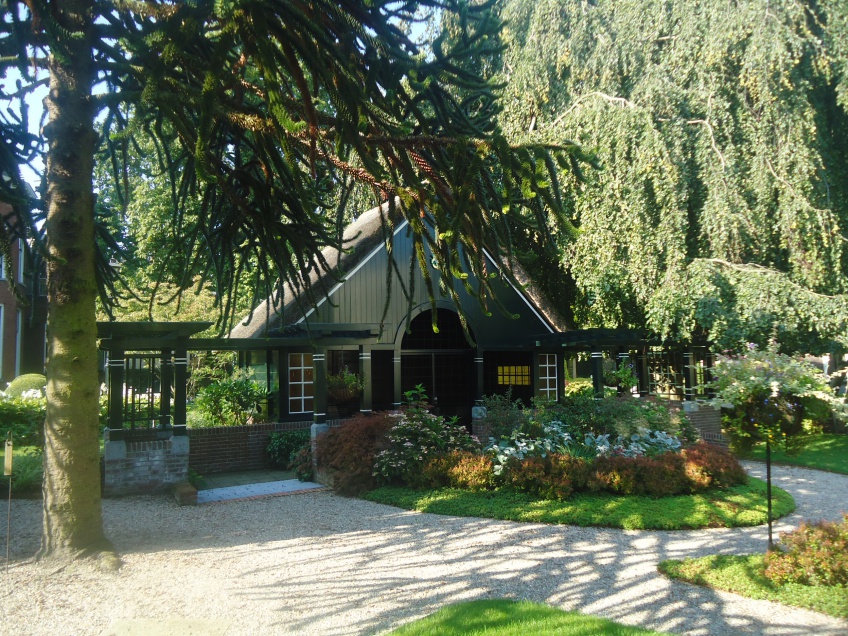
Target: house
pixel 23 315
pixel 398 349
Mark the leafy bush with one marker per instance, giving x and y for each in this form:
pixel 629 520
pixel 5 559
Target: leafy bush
pixel 579 387
pixel 349 451
pixel 551 438
pixel 27 473
pixel 234 401
pixel 710 466
pixel 616 416
pixel 503 416
pixel 284 445
pixel 24 416
pixel 553 477
pixel 301 463
pixel 813 554
pixel 27 382
pixel 460 469
pixel 416 436
pixel 653 476
pixel 766 396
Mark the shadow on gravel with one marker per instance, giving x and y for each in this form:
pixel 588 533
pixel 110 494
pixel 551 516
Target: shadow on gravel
pixel 319 564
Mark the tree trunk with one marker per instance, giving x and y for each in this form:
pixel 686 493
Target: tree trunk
pixel 73 524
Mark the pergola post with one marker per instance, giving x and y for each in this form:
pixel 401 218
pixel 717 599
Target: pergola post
pixel 116 365
pixel 166 377
pixel 598 373
pixel 180 380
pixel 366 401
pixel 319 387
pixel 643 372
pixel 689 375
pixel 397 400
pixel 479 371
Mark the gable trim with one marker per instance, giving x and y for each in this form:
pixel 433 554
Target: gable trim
pixel 350 274
pixel 523 296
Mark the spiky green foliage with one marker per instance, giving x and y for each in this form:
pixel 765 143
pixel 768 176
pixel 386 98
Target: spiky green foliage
pixel 257 111
pixel 722 207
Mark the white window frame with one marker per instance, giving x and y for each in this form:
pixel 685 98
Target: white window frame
pixel 305 386
pixel 19 342
pixel 20 272
pixel 548 376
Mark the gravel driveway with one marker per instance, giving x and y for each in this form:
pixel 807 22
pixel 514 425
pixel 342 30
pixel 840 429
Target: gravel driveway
pixel 315 563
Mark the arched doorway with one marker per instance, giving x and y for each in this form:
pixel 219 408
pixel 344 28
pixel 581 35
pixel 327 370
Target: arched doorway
pixel 443 363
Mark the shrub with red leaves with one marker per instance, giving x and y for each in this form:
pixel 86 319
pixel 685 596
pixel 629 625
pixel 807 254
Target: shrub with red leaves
pixel 552 477
pixel 814 554
pixel 710 466
pixel 460 469
pixel 349 450
pixel 656 477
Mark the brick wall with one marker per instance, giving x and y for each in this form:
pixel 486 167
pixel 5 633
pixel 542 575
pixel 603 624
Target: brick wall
pixel 234 448
pixel 707 421
pixel 132 468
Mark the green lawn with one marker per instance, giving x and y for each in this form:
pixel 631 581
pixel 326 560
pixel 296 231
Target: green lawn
pixel 825 452
pixel 744 575
pixel 739 506
pixel 510 618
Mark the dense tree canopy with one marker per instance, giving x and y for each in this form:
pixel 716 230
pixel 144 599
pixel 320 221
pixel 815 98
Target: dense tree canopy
pixel 721 209
pixel 257 110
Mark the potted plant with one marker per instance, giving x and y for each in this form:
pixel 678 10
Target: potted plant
pixel 344 386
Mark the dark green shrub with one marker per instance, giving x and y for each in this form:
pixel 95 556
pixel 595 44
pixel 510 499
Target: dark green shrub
pixel 27 474
pixel 814 554
pixel 231 402
pixel 349 451
pixel 24 416
pixel 460 469
pixel 503 415
pixel 26 382
pixel 284 445
pixel 710 466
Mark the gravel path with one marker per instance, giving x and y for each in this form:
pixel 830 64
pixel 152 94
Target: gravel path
pixel 315 563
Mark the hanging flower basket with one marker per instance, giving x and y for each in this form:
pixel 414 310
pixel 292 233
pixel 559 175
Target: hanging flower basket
pixel 343 387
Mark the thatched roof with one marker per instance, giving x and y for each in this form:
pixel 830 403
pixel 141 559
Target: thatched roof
pixel 360 239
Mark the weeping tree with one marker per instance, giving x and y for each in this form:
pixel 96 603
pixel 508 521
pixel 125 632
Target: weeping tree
pixel 722 129
pixel 257 111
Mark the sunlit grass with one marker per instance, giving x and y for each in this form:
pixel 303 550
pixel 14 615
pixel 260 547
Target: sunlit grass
pixel 745 575
pixel 824 452
pixel 510 618
pixel 739 506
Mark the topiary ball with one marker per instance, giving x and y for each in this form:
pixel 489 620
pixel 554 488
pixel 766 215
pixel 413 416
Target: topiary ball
pixel 26 382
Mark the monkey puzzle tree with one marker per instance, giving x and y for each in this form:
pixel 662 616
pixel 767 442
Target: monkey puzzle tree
pixel 259 109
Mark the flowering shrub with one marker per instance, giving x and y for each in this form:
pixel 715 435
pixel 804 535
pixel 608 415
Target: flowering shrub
pixel 415 438
pixel 766 395
pixel 349 452
pixel 814 554
pixel 460 469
